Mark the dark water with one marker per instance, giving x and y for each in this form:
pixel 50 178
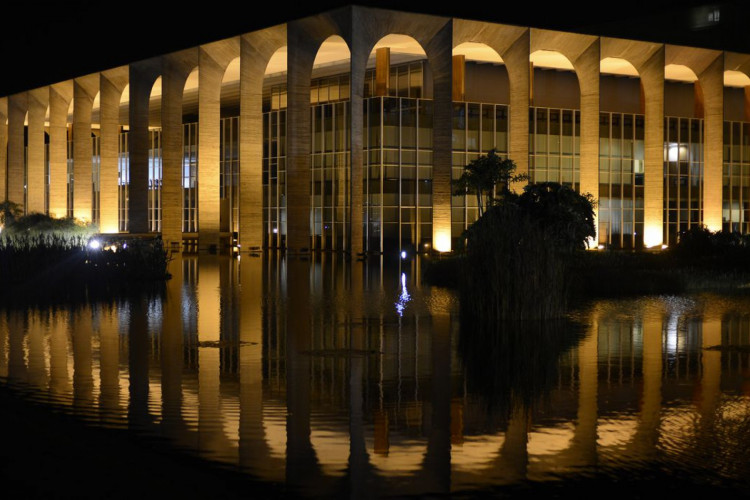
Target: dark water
pixel 338 378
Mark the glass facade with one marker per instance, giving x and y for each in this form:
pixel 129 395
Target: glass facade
pixel 621 168
pixel 683 175
pixel 190 178
pixel 554 145
pixel 95 171
pixel 123 181
pixel 477 129
pixel 736 177
pixel 154 180
pixel 274 177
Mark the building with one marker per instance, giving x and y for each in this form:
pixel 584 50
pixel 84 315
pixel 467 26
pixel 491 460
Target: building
pixel 342 131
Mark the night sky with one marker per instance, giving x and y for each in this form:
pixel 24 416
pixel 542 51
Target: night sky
pixel 50 43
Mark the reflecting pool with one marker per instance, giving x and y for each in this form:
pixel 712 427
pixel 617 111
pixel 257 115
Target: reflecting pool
pixel 347 378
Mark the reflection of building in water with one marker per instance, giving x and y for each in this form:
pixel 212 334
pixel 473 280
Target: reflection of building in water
pixel 223 367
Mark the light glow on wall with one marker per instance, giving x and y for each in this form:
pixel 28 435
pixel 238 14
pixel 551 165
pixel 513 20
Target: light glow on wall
pixel 442 240
pixel 653 233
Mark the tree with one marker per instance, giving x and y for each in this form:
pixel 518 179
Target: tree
pixel 489 177
pixel 9 212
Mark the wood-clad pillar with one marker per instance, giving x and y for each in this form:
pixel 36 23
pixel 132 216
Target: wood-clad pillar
pixel 35 178
pixel 587 70
pixel 516 60
pixel 17 107
pixel 440 54
pixel 459 77
pixel 142 77
pixel 712 82
pixel 382 71
pixel 60 96
pixel 84 92
pixel 652 80
pixel 111 85
pixel 256 50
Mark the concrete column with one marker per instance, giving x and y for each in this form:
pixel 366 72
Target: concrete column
pixel 587 69
pixel 17 107
pixel 209 122
pixel 652 80
pixel 35 179
pixel 84 92
pixel 111 85
pixel 300 57
pixel 440 54
pixel 59 101
pixel 359 56
pixel 255 51
pixel 516 60
pixel 142 76
pixel 3 148
pixel 175 70
pixel 712 81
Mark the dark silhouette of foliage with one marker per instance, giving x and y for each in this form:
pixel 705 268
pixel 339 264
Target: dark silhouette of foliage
pixel 489 178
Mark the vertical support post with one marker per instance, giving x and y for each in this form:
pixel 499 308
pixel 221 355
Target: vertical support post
pixel 17 107
pixel 111 86
pixel 59 101
pixel 35 178
pixel 209 122
pixel 587 69
pixel 712 83
pixel 3 148
pixel 520 76
pixel 84 91
pixel 142 77
pixel 652 81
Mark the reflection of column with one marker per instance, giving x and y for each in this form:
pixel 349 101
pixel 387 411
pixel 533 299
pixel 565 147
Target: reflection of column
pixel 35 175
pixel 17 105
pixel 59 381
pixel 60 95
pixel 712 82
pixel 84 92
pixel 172 352
pixel 514 455
pixel 209 359
pixel 652 79
pixel 37 365
pixel 112 84
pixel 437 459
pixel 254 450
pixel 16 356
pixel 3 343
pixel 138 349
pixel 109 361
pixel 83 380
pixel 710 368
pixel 647 434
pixel 301 466
pixel 358 457
pixel 256 50
pixel 584 438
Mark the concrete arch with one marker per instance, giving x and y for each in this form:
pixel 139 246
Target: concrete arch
pixel 648 60
pixel 36 181
pixel 737 74
pixel 112 85
pixel 708 66
pixel 512 43
pixel 176 70
pixel 84 91
pixel 213 61
pixel 60 102
pixel 257 51
pixel 584 52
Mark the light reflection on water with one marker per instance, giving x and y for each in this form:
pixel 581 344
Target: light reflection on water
pixel 304 372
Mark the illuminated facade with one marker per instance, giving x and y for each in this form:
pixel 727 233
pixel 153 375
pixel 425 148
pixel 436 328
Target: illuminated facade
pixel 314 135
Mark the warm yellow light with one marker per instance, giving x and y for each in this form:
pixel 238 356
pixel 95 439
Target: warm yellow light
pixel 652 235
pixel 442 241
